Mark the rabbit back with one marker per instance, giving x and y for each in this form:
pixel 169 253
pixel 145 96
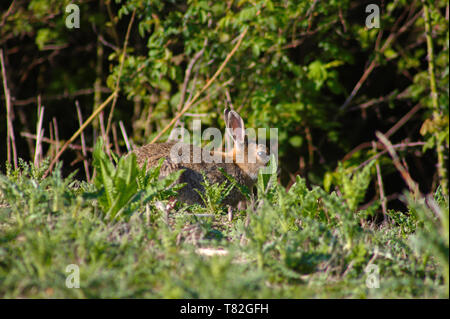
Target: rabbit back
pixel 192 174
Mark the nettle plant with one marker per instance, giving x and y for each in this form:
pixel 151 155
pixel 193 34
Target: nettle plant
pixel 124 187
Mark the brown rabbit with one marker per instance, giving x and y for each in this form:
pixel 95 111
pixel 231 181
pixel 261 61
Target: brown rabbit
pixel 235 163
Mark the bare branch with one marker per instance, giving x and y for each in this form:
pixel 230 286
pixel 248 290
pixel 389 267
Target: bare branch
pixel 207 85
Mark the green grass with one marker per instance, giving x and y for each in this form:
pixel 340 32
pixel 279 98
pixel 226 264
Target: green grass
pixel 301 243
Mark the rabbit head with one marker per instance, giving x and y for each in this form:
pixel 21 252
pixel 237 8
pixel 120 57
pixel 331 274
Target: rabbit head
pixel 247 154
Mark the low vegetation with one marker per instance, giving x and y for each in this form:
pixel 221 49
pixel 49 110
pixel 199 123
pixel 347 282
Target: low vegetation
pixel 358 92
pixel 129 239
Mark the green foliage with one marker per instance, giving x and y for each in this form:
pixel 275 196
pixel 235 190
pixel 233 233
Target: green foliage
pixel 233 183
pixel 353 185
pixel 296 243
pixel 27 193
pixel 122 189
pixel 214 194
pixel 432 236
pixel 298 63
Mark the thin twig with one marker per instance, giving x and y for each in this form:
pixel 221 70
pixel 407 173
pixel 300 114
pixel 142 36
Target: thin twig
pixel 374 62
pixel 98 93
pixel 188 74
pixel 116 143
pixel 101 120
pixel 51 149
pixel 106 43
pixel 193 85
pixel 311 147
pixel 391 131
pixel 7 13
pixel 47 140
pixel 440 150
pixel 403 120
pixel 207 85
pixel 381 99
pixel 39 133
pixel 400 145
pixel 124 52
pixel 10 139
pixel 412 185
pixel 113 21
pixel 77 133
pixel 83 143
pixel 55 129
pixel 125 136
pixel 228 96
pixel 380 186
pixel 62 96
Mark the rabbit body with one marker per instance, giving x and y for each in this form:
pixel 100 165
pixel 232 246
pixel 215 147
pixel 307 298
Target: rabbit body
pixel 242 163
pixel 192 174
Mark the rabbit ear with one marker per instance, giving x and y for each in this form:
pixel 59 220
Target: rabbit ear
pixel 236 126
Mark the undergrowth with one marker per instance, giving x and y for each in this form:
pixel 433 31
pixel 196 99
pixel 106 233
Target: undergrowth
pixel 130 241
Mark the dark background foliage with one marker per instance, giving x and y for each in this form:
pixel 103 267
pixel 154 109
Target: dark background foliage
pixel 295 70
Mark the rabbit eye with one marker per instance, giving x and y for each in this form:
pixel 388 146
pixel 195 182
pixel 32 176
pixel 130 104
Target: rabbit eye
pixel 261 153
